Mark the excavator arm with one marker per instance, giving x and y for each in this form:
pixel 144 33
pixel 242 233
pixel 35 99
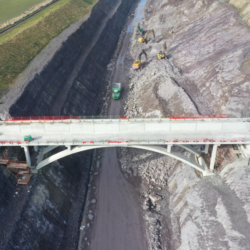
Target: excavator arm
pixel 143 40
pixel 151 31
pixel 164 47
pixel 140 55
pixel 137 63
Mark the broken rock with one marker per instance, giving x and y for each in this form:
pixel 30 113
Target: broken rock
pixel 91 216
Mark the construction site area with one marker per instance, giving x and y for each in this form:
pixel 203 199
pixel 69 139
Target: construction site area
pixel 145 59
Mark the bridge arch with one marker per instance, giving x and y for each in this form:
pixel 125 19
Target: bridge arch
pixel 200 167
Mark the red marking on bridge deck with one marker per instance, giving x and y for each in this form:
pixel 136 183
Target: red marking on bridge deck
pixel 44 118
pixel 179 118
pixel 88 142
pixel 118 141
pixel 198 117
pixel 123 118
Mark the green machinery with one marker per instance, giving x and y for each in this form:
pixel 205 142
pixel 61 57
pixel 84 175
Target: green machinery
pixel 27 138
pixel 139 29
pixel 116 91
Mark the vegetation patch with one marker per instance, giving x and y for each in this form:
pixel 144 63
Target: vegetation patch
pixel 12 8
pixel 21 45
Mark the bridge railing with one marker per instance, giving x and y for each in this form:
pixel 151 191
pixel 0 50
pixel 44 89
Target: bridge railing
pixel 61 118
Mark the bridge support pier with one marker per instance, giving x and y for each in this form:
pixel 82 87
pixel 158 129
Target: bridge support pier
pixel 36 148
pixel 206 148
pixel 27 155
pixel 213 156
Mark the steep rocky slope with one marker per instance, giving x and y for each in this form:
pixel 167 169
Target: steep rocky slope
pixel 206 71
pixel 209 47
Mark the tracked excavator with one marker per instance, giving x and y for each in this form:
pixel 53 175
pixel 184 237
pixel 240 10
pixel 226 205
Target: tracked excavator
pixel 137 63
pixel 161 54
pixel 143 40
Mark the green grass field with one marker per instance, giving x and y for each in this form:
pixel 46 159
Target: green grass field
pixel 21 45
pixel 13 8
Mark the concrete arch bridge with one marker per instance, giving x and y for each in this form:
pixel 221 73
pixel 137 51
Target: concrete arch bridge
pixel 81 134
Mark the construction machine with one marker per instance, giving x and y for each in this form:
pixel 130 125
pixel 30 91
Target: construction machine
pixel 28 138
pixel 116 91
pixel 161 54
pixel 137 63
pixel 139 29
pixel 143 40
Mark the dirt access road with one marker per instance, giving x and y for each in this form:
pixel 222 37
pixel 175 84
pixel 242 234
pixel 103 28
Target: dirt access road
pixel 119 223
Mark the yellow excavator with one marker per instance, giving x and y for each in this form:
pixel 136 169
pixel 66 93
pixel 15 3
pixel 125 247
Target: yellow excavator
pixel 137 63
pixel 143 40
pixel 161 54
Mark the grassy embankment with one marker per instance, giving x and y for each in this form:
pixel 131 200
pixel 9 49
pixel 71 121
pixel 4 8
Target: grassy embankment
pixel 13 8
pixel 21 45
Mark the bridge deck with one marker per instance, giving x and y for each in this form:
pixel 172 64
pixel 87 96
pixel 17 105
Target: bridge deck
pixel 126 131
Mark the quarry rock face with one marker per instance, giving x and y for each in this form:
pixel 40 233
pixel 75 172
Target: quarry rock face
pixel 45 212
pixel 212 52
pixel 207 53
pixel 205 72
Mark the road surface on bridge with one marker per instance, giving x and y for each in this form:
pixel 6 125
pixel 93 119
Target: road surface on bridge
pixel 127 131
